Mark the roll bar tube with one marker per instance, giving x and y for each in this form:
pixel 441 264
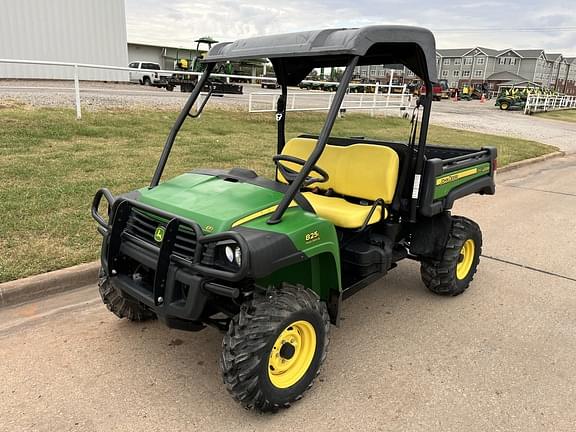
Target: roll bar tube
pixel 178 124
pixel 322 138
pixel 419 162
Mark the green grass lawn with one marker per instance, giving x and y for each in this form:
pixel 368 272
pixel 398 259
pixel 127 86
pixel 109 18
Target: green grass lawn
pixel 565 115
pixel 51 165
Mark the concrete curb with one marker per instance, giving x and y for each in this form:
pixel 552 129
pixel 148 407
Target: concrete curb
pixel 34 287
pixel 525 162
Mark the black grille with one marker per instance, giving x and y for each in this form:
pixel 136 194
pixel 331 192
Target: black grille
pixel 143 226
pixel 185 243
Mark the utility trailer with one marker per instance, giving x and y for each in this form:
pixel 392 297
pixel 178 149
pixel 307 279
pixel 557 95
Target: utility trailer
pixel 188 82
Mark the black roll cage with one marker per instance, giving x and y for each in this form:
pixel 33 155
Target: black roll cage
pixel 416 165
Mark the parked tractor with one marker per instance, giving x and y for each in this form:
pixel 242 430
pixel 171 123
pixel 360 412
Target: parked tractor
pixel 512 98
pixel 187 82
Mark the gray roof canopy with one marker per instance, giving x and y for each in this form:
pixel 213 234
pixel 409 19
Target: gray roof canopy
pixel 299 53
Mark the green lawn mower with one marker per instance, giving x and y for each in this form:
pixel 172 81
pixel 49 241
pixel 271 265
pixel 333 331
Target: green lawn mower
pixel 268 261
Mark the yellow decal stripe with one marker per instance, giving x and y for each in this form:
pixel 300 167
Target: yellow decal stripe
pixel 457 176
pixel 256 215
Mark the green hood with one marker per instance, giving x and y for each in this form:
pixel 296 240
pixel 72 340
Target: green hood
pixel 213 203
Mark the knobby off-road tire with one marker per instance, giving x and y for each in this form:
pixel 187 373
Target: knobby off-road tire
pixel 258 347
pixel 119 304
pixel 453 273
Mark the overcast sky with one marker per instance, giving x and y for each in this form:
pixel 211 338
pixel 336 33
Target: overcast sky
pixel 179 22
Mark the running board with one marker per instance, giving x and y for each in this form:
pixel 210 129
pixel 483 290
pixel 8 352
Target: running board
pixel 355 287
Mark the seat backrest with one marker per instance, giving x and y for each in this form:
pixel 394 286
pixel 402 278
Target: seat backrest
pixel 366 171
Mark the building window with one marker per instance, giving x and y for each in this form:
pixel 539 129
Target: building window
pixel 512 61
pixel 480 60
pixel 381 72
pixel 478 73
pixel 456 73
pixel 457 61
pixel 446 62
pixel 502 60
pixel 410 73
pixel 468 60
pixel 444 74
pixel 454 84
pixel 466 73
pixel 364 73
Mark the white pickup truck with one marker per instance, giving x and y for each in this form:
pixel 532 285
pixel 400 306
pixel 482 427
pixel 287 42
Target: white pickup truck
pixel 144 73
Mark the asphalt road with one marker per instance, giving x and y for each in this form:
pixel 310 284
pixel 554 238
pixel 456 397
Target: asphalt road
pixel 498 358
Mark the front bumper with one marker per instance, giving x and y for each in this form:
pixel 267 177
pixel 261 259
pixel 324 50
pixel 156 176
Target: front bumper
pixel 170 276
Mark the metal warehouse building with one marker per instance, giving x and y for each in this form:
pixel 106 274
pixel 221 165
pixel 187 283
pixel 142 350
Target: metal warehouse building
pixel 83 31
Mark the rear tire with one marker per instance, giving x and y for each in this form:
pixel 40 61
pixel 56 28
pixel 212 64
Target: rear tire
pixel 120 304
pixel 274 348
pixel 504 106
pixel 452 275
pixel 146 81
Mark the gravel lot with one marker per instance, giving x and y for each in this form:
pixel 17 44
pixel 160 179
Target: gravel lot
pixel 473 115
pixel 486 118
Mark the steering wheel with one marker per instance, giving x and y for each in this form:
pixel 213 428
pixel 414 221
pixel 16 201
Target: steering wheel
pixel 290 175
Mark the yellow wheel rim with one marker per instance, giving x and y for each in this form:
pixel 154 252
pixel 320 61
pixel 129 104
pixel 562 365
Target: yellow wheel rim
pixel 466 259
pixel 292 354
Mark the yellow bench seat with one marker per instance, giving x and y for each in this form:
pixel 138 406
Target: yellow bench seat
pixel 342 213
pixel 364 171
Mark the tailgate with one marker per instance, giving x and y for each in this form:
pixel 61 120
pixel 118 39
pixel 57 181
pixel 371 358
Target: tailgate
pixel 463 172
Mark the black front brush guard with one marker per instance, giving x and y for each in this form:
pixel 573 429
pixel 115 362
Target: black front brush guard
pixel 114 230
pixel 103 226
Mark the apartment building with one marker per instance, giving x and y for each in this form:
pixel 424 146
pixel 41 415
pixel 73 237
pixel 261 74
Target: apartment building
pixel 567 76
pixel 381 73
pixel 492 68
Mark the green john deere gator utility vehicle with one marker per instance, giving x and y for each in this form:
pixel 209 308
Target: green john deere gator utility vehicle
pixel 269 261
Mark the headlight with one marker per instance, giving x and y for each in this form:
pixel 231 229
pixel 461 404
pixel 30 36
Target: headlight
pixel 229 254
pixel 238 256
pixel 233 255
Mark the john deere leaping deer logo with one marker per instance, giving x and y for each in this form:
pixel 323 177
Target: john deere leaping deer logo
pixel 159 234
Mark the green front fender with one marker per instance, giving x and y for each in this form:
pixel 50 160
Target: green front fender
pixel 316 238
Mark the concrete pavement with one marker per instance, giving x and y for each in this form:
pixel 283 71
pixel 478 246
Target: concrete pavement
pixel 499 357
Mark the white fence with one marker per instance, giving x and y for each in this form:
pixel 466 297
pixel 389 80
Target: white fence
pixel 75 74
pixel 259 102
pixel 383 97
pixel 539 103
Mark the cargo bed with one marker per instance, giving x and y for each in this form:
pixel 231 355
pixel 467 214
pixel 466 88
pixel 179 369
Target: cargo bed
pixel 451 173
